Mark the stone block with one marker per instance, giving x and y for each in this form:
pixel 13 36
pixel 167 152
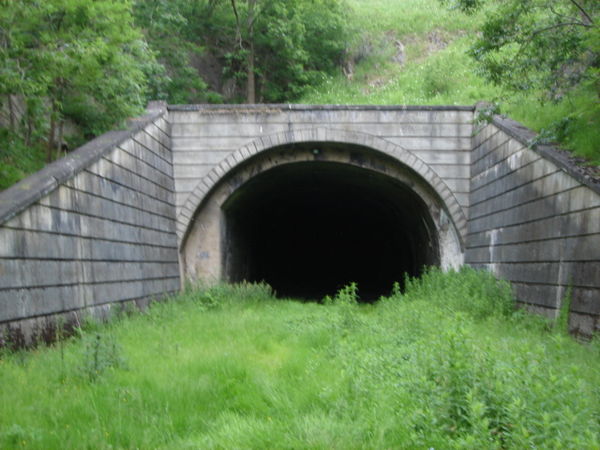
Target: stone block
pixel 584 324
pixel 25 303
pixel 452 171
pixel 16 274
pixel 196 144
pixel 537 294
pixel 433 157
pixel 192 171
pixel 585 300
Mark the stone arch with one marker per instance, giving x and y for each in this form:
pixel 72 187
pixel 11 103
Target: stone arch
pixel 319 134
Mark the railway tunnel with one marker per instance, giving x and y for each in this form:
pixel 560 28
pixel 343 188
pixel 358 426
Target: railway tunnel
pixel 309 219
pixel 131 215
pixel 308 229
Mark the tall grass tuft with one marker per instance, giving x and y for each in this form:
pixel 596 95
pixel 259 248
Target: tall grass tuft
pixel 477 293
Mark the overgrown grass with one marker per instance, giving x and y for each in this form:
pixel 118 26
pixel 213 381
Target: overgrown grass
pixel 437 71
pixel 405 17
pixel 448 364
pixel 447 77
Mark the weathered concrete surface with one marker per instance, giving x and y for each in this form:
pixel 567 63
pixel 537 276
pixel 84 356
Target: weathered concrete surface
pixel 210 138
pixel 125 217
pixel 217 149
pixel 535 221
pixel 91 231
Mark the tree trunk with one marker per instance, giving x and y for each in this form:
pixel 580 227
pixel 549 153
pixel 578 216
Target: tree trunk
pixel 251 82
pixel 29 119
pixel 247 44
pixel 11 113
pixel 59 140
pixel 251 78
pixel 51 133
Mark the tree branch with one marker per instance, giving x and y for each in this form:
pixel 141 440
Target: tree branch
pixel 524 43
pixel 584 12
pixel 238 29
pixel 559 15
pixel 557 25
pixel 258 12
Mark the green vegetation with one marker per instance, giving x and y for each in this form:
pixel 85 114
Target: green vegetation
pixel 246 50
pixel 422 52
pixel 64 60
pixel 72 69
pixel 447 364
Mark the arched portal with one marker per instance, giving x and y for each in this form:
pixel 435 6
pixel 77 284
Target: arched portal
pixel 310 217
pixel 310 228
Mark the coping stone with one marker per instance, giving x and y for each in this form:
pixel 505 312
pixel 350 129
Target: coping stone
pixel 561 158
pixel 29 190
pixel 279 107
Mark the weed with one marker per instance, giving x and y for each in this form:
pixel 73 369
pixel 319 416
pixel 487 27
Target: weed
pixel 477 293
pixel 17 436
pixel 447 75
pixel 561 325
pixel 100 353
pixel 348 295
pixel 12 338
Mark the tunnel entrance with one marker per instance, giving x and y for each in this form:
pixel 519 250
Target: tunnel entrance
pixel 309 228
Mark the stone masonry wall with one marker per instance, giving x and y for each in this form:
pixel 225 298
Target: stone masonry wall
pixel 98 228
pixel 204 135
pixel 92 230
pixel 535 221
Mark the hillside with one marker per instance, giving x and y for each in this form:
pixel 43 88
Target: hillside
pixel 415 52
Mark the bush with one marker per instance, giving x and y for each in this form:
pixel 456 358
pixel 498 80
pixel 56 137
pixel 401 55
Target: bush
pixel 477 293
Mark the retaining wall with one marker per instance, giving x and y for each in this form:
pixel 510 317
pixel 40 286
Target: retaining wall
pixel 535 221
pixel 91 231
pixel 97 229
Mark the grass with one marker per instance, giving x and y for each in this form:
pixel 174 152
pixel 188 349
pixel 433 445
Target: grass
pixel 447 77
pixel 437 71
pixel 406 17
pixel 447 364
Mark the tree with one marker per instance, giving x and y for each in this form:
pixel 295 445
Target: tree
pixel 282 47
pixel 170 30
pixel 69 60
pixel 266 50
pixel 545 45
pixel 244 38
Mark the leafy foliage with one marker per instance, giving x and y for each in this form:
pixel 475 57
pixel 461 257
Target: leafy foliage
pixel 269 48
pixel 278 47
pixel 72 69
pixel 171 33
pixel 533 44
pixel 446 74
pixel 550 48
pixel 67 60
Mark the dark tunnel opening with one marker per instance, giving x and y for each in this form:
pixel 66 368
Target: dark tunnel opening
pixel 308 229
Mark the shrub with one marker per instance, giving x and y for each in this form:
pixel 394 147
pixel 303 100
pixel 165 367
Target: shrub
pixel 477 293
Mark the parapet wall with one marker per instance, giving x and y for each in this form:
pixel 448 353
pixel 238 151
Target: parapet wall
pixel 93 230
pixel 535 221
